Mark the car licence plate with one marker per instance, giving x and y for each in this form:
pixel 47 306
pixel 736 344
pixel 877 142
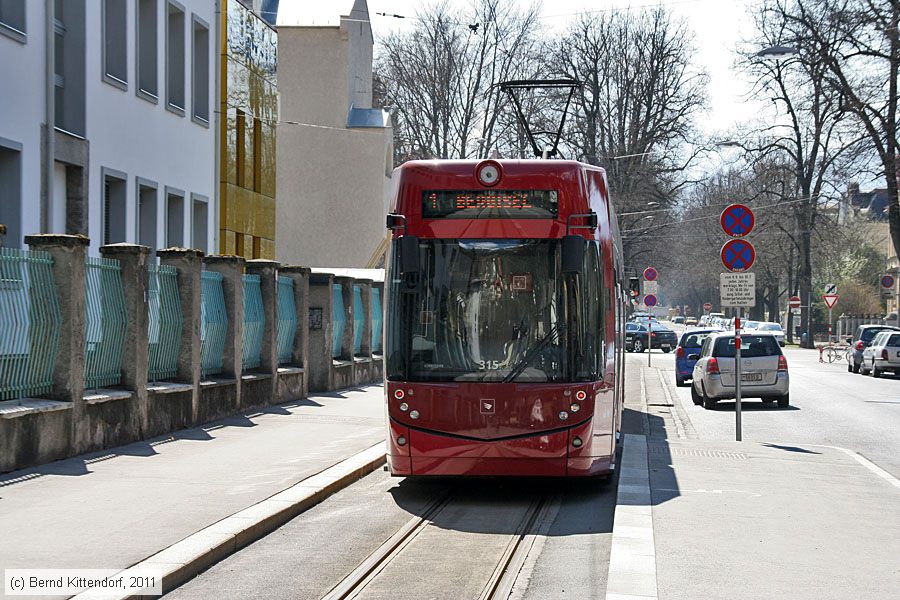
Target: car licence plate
pixel 751 376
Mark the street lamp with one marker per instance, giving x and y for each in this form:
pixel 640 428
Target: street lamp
pixel 777 52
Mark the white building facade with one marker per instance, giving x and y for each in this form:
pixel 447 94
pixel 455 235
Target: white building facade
pixel 129 89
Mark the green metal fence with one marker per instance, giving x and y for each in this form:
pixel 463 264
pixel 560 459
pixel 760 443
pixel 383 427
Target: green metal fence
pixel 29 323
pixel 359 319
pixel 376 319
pixel 338 320
pixel 213 323
pixel 105 322
pixel 287 319
pixel 254 321
pixel 165 321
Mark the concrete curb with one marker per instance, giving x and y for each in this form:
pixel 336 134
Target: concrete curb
pixel 632 558
pixel 183 560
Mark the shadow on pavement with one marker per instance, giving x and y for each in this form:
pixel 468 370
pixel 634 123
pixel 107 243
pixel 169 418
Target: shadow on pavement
pixel 753 406
pixel 791 449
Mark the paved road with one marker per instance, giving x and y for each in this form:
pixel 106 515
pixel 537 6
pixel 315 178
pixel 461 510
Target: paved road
pixel 828 406
pixel 451 558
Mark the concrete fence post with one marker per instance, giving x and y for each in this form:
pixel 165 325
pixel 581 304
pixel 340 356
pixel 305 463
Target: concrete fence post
pixel 133 261
pixel 320 329
pixel 68 253
pixel 188 264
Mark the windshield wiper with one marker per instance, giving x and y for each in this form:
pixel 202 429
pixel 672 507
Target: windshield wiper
pixel 532 352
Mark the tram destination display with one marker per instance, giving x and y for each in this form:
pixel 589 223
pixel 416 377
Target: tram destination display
pixel 490 204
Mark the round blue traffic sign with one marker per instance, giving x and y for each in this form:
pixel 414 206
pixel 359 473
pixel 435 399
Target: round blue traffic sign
pixel 738 255
pixel 737 220
pixel 650 274
pixel 649 300
pixel 887 282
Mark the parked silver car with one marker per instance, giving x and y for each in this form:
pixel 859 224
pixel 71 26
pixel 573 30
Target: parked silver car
pixel 883 354
pixel 764 370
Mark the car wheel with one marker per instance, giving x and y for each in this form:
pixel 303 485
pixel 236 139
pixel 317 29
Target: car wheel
pixel 855 368
pixel 784 401
pixel 876 372
pixel 679 381
pixel 667 350
pixel 695 397
pixel 849 368
pixel 638 346
pixel 708 403
pixel 768 400
pixel 862 369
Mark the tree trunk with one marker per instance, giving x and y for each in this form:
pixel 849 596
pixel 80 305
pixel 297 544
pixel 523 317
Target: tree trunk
pixel 804 276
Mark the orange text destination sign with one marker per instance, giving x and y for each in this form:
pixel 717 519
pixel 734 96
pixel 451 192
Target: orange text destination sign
pixel 490 204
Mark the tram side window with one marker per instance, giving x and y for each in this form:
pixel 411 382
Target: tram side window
pixel 592 305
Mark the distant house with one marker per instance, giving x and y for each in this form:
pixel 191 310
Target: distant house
pixel 335 149
pixel 872 204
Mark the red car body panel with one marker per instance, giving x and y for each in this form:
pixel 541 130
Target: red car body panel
pixel 476 428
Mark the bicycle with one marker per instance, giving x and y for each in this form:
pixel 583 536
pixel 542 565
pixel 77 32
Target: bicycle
pixel 836 353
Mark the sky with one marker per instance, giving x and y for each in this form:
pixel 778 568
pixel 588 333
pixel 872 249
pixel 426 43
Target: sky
pixel 720 27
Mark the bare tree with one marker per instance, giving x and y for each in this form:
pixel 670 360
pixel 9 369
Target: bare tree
pixel 812 143
pixel 441 77
pixel 635 113
pixel 858 44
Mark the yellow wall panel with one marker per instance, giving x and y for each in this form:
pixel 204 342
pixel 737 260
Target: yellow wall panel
pixel 267 249
pixel 228 242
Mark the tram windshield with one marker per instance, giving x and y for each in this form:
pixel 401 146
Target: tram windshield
pixel 492 311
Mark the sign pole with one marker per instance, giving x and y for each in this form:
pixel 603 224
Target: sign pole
pixel 649 339
pixel 737 376
pixel 829 326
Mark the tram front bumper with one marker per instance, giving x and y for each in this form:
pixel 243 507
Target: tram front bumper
pixel 575 451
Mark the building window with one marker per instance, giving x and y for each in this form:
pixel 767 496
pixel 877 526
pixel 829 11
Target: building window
pixel 175 57
pixel 174 218
pixel 11 194
pixel 146 214
pixel 200 70
pixel 69 51
pixel 115 47
pixel 241 147
pixel 146 50
pixel 12 19
pixel 200 223
pixel 257 155
pixel 114 202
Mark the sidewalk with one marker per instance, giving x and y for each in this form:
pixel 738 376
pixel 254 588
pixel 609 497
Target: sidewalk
pixel 118 507
pixel 698 519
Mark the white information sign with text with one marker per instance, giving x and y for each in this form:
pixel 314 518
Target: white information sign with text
pixel 651 287
pixel 738 289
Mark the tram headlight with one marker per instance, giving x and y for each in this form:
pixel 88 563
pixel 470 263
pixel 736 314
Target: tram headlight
pixel 577 442
pixel 575 407
pixel 563 415
pixel 404 406
pixel 488 173
pixel 580 395
pixel 401 440
pixel 414 415
pixel 398 394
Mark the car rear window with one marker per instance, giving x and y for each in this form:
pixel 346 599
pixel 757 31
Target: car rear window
pixel 771 327
pixel 752 346
pixel 869 333
pixel 694 340
pixel 894 340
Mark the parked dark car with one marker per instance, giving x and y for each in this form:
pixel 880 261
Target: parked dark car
pixel 689 345
pixel 636 337
pixel 864 336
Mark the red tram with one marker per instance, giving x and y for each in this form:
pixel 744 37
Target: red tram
pixel 504 316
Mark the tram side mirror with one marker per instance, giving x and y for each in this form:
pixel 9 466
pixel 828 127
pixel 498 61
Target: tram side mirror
pixel 634 286
pixel 409 254
pixel 573 254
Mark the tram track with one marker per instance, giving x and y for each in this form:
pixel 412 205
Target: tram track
pixel 533 523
